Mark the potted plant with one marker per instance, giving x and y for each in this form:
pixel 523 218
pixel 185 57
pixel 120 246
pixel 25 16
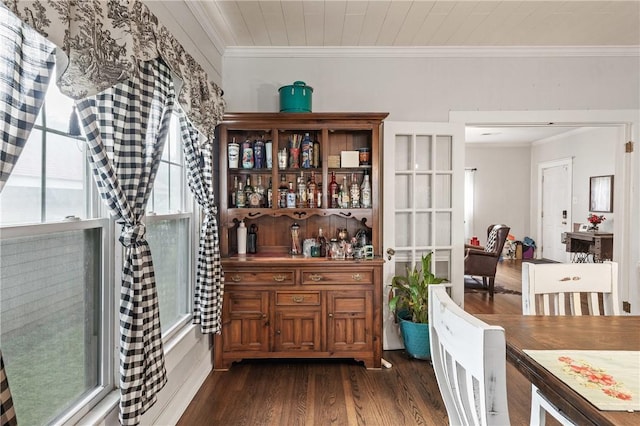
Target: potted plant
pixel 410 302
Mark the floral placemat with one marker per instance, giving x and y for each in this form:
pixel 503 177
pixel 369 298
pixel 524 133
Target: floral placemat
pixel 610 380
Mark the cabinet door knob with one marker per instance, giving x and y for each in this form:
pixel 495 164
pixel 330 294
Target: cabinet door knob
pixel 279 278
pixel 356 277
pixel 298 299
pixel 330 315
pixel 315 277
pixel 236 278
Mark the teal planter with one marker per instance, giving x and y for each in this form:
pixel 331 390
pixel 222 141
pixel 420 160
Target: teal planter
pixel 416 339
pixel 296 97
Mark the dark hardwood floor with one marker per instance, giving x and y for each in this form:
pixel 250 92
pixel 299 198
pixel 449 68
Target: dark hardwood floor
pixel 305 393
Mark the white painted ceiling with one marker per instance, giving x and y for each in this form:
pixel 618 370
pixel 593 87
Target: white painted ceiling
pixel 420 23
pixel 417 24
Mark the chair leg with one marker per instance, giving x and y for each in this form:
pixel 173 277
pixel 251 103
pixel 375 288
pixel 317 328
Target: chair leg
pixel 492 281
pixel 484 282
pixel 540 406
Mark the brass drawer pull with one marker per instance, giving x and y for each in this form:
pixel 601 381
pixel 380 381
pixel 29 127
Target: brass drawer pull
pixel 236 278
pixel 315 277
pixel 279 278
pixel 356 277
pixel 298 299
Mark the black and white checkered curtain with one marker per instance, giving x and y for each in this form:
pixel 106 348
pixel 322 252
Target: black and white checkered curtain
pixel 26 64
pixel 126 128
pixel 210 278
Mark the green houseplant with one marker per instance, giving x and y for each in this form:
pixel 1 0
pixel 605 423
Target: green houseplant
pixel 410 302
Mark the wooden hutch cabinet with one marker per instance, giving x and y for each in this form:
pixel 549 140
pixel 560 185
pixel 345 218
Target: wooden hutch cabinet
pixel 283 305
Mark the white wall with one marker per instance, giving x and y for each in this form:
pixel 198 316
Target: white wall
pixel 593 152
pixel 502 182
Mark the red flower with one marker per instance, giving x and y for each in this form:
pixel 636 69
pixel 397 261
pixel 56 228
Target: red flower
pixel 595 219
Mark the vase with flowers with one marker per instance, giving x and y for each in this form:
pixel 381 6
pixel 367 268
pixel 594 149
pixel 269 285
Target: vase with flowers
pixel 594 221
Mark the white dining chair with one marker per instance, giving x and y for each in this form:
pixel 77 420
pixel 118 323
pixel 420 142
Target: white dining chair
pixel 547 289
pixel 469 359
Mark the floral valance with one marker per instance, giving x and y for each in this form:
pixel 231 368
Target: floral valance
pixel 100 43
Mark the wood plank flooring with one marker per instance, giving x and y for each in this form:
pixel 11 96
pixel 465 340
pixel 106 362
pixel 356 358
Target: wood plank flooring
pixel 305 393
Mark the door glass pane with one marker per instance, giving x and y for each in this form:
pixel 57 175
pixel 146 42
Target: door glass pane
pixel 423 152
pixel 402 152
pixel 50 314
pixel 423 229
pixel 65 177
pixel 442 264
pixel 443 152
pixel 403 230
pixel 24 187
pixel 443 230
pixel 402 190
pixel 443 191
pixel 423 191
pixel 169 242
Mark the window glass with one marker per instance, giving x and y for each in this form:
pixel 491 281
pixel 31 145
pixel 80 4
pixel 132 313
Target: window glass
pixel 169 241
pixel 65 161
pixel 50 314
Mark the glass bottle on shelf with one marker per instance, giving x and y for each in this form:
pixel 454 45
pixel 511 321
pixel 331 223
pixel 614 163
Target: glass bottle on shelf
pixel 234 192
pixel 306 148
pixel 354 192
pixel 319 195
pixel 259 189
pixel 365 192
pixel 344 194
pixel 295 238
pixel 322 242
pixel 247 155
pixel 316 154
pixel 269 201
pixel 312 191
pixel 291 197
pixel 250 200
pixel 333 192
pixel 283 189
pixel 241 200
pixel 302 192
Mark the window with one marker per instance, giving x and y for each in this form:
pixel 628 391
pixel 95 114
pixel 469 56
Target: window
pixel 56 314
pixel 169 229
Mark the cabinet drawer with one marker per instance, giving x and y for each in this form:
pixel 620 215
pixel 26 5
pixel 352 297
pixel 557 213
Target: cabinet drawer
pixel 282 277
pixel 298 298
pixel 338 277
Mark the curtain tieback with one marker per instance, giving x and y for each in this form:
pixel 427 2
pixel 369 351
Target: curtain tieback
pixel 132 234
pixel 210 212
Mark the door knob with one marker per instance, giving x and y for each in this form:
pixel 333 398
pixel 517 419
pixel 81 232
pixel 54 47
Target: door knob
pixel 390 252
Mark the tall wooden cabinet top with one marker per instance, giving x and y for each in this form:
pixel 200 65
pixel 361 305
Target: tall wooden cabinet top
pixel 333 135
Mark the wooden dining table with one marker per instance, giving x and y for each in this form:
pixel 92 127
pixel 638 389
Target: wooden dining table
pixel 534 332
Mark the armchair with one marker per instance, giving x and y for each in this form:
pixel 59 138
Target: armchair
pixel 482 261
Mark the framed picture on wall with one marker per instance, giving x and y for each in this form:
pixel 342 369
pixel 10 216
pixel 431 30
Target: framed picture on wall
pixel 601 194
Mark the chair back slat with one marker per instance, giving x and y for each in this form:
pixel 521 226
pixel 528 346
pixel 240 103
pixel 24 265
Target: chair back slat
pixel 581 285
pixel 469 359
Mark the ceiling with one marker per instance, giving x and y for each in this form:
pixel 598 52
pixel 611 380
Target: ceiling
pixel 313 23
pixel 234 25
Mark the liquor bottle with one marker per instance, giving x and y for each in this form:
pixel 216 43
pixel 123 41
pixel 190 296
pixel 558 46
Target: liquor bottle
pixel 319 195
pixel 312 191
pixel 302 192
pixel 241 200
pixel 282 192
pixel 259 189
pixel 365 192
pixel 322 241
pixel 354 192
pixel 248 194
pixel 270 194
pixel 333 192
pixel 291 197
pixel 345 194
pixel 234 192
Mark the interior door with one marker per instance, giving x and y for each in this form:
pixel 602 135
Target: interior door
pixel 556 210
pixel 423 205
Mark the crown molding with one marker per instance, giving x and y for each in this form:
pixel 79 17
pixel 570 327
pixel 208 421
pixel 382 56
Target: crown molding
pixel 430 51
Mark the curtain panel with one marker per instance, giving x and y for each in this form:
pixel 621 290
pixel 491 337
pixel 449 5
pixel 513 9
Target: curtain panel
pixel 126 128
pixel 209 278
pixel 100 43
pixel 26 65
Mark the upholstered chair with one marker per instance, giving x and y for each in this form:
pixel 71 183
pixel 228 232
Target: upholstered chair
pixel 482 261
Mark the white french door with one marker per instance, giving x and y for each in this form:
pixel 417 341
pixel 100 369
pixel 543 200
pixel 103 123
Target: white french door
pixel 555 208
pixel 423 205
